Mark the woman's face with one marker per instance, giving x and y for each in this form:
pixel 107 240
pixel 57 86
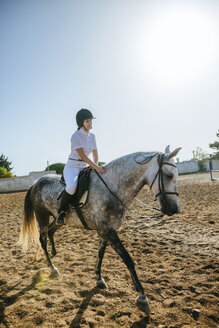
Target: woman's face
pixel 88 123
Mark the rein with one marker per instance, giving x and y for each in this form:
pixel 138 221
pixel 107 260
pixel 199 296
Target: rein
pixel 159 174
pixel 111 191
pixel 157 209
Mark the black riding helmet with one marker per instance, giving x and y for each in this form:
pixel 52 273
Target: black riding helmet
pixel 82 115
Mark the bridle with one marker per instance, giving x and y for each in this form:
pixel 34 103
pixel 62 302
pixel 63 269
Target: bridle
pixel 159 174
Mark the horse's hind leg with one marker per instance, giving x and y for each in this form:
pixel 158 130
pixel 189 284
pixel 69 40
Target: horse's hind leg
pixel 117 245
pixel 100 281
pixel 43 240
pixel 43 219
pixel 52 229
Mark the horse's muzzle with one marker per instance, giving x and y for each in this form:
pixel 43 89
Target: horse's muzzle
pixel 170 209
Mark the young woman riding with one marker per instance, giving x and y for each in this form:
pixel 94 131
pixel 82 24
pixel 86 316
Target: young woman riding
pixel 83 143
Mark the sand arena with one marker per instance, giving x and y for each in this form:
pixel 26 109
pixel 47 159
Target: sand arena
pixel 176 259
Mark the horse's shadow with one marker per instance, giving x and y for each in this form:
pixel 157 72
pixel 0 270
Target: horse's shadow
pixel 9 300
pixel 79 315
pixel 76 322
pixel 141 323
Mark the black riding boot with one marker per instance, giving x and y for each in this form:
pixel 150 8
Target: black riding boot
pixel 64 206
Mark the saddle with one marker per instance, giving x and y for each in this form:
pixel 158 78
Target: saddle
pixel 81 195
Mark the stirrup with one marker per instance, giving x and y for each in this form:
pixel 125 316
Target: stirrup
pixel 60 219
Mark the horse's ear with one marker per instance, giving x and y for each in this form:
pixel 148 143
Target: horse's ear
pixel 173 153
pixel 144 158
pixel 167 150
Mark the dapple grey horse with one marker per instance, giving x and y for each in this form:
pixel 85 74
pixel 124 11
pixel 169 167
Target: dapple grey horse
pixel 103 212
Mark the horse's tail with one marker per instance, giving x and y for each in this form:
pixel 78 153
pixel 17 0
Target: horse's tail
pixel 29 226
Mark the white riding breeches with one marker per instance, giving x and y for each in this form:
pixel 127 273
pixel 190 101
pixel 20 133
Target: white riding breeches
pixel 71 178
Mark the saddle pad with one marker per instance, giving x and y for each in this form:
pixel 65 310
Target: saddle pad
pixel 82 201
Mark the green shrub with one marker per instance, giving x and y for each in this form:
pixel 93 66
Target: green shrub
pixel 58 167
pixel 101 163
pixel 201 166
pixel 4 173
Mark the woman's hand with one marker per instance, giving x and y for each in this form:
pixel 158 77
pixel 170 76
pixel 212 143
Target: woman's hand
pixel 101 169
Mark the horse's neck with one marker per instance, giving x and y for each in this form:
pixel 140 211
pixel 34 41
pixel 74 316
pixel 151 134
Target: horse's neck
pixel 127 178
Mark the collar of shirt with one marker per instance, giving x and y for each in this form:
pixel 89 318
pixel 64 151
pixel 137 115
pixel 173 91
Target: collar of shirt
pixel 87 134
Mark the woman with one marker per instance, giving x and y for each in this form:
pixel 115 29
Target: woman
pixel 83 143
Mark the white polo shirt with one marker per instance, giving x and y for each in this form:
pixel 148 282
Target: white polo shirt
pixel 81 139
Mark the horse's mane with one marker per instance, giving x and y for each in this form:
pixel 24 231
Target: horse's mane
pixel 126 158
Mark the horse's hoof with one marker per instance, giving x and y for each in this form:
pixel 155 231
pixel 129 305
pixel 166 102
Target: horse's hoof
pixel 54 272
pixel 101 284
pixel 142 302
pixel 54 253
pixel 59 223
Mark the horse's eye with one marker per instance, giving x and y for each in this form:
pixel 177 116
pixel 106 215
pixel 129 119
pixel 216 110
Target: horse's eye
pixel 169 176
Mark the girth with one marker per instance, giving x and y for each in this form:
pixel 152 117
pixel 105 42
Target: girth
pixel 81 217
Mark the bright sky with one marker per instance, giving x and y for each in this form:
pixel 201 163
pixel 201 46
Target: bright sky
pixel 147 69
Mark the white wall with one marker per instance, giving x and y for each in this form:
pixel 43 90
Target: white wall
pixel 22 183
pixel 192 166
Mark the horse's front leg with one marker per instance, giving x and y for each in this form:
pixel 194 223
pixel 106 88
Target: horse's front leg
pixel 115 242
pixel 100 281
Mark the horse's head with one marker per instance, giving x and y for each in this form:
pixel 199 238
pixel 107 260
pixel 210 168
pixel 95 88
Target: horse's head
pixel 164 183
pixel 161 177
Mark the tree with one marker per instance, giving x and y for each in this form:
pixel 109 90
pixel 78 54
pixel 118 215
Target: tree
pixel 4 162
pixel 200 155
pixel 58 167
pixel 215 145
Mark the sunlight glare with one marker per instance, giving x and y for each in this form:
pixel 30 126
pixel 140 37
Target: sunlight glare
pixel 179 45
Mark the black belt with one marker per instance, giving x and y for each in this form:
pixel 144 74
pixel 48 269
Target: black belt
pixel 78 160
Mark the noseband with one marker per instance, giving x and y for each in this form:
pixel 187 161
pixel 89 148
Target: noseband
pixel 159 174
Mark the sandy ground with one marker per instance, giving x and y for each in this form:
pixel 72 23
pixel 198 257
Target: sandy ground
pixel 175 257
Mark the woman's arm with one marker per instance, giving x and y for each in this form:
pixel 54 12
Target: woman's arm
pixel 95 156
pixel 86 159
